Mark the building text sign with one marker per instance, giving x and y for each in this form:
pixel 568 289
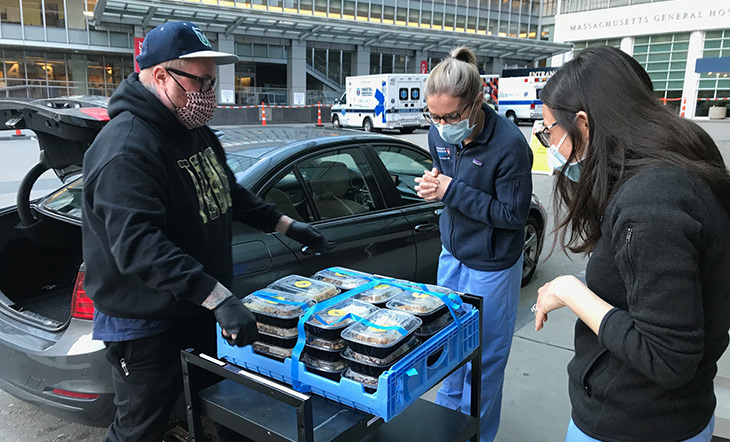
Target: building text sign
pixel 645 19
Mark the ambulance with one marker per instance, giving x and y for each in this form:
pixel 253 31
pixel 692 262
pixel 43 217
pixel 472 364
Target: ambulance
pixel 385 101
pixel 519 96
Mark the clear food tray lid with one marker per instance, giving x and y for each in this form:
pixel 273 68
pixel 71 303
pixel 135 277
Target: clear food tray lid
pixel 341 314
pixel 383 328
pixel 380 293
pixel 325 344
pixel 311 288
pixel 416 303
pixel 277 331
pixel 341 277
pixel 277 304
pixel 320 364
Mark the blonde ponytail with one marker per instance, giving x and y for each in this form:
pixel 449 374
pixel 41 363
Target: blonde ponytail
pixel 457 76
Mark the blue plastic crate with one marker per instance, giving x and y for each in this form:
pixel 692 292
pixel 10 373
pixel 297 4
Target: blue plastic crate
pixel 398 387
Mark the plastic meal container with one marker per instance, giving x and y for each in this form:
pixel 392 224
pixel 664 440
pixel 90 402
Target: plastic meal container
pixel 380 342
pixel 342 281
pixel 278 341
pixel 265 307
pixel 328 369
pixel 329 322
pixel 431 328
pixel 369 383
pixel 379 295
pixel 271 351
pixel 317 291
pixel 371 366
pixel 324 349
pixel 277 331
pixel 425 306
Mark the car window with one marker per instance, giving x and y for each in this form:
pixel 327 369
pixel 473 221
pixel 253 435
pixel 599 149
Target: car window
pixel 289 197
pixel 404 165
pixel 66 201
pixel 341 183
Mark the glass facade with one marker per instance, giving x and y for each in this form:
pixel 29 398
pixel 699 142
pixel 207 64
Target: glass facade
pixel 580 45
pixel 665 59
pixel 714 87
pixel 513 18
pixel 569 6
pixel 41 74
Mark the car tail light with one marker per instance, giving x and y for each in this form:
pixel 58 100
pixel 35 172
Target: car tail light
pixel 82 307
pixel 532 106
pixel 74 394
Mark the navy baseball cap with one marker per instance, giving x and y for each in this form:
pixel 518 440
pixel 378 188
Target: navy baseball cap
pixel 178 39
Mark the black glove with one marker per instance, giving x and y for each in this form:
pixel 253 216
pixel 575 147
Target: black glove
pixel 307 235
pixel 237 320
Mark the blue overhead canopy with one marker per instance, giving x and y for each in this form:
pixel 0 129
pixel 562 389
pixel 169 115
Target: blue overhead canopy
pixel 718 64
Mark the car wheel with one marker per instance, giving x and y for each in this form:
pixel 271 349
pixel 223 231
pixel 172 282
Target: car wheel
pixel 336 121
pixel 407 130
pixel 512 117
pixel 531 249
pixel 367 125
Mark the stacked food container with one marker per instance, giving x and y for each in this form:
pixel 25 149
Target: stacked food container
pixel 371 342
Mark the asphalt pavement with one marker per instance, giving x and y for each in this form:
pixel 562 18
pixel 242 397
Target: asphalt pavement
pixel 535 406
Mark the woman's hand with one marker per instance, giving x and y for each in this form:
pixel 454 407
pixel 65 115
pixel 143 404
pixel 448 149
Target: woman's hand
pixel 569 291
pixel 432 185
pixel 551 296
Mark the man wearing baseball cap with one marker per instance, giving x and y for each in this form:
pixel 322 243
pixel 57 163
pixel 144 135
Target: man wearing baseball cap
pixel 158 206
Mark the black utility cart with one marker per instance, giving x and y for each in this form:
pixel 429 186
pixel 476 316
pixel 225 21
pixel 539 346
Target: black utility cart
pixel 266 410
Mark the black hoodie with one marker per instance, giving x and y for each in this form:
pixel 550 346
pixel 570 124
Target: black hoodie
pixel 159 201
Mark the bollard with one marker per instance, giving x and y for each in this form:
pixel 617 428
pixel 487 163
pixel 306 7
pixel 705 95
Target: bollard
pixel 319 114
pixel 263 114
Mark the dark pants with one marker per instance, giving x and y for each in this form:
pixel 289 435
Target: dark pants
pixel 146 392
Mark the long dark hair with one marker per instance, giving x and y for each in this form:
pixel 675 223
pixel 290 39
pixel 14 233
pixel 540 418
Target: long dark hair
pixel 628 130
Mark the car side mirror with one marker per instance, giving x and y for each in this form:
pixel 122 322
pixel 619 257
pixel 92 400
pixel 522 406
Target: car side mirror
pixel 337 101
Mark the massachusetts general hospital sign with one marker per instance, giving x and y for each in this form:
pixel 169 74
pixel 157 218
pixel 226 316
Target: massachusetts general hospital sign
pixel 645 19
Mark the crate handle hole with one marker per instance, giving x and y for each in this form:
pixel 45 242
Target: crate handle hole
pixel 436 357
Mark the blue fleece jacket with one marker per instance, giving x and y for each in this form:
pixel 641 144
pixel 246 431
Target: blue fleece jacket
pixel 488 201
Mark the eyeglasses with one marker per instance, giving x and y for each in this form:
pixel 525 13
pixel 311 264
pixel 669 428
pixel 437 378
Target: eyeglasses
pixel 543 137
pixel 451 118
pixel 206 83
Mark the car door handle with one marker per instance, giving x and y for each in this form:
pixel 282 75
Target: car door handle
pixel 306 250
pixel 422 228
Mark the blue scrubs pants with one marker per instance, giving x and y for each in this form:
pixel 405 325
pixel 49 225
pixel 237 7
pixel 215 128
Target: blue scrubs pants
pixel 575 435
pixel 501 293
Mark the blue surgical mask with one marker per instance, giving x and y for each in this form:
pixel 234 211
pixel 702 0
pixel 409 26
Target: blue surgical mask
pixel 457 132
pixel 556 161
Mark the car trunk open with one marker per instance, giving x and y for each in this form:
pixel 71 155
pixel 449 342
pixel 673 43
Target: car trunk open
pixel 37 278
pixel 40 255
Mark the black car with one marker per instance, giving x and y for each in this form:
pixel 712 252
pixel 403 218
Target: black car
pixel 356 187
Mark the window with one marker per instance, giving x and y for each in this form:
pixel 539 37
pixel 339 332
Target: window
pixel 341 183
pixel 290 198
pixel 404 165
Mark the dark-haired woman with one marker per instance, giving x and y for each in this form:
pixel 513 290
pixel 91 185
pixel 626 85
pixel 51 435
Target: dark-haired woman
pixel 482 174
pixel 647 194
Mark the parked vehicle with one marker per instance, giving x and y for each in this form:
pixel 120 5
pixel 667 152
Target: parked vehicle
pixel 356 187
pixel 385 101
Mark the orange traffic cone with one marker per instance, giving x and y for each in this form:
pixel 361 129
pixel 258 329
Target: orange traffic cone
pixel 263 114
pixel 319 114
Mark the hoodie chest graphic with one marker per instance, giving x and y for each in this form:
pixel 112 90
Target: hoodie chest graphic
pixel 210 182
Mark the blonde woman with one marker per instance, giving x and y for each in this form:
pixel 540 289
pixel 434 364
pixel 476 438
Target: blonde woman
pixel 482 174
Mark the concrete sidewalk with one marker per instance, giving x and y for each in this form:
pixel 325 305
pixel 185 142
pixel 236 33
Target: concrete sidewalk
pixel 535 404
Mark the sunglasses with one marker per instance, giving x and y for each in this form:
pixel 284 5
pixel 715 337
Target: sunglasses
pixel 451 118
pixel 543 137
pixel 206 83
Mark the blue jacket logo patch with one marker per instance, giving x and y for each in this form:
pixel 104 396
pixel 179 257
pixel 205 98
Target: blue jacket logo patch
pixel 443 153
